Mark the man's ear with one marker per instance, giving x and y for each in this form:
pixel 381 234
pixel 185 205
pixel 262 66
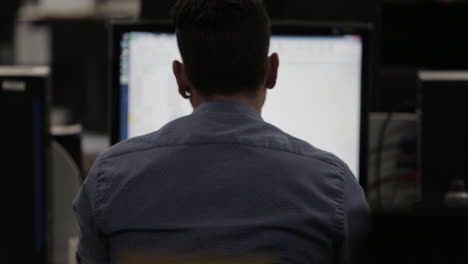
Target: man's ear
pixel 181 77
pixel 272 71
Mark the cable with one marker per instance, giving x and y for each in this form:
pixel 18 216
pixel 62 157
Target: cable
pixel 378 158
pixel 380 148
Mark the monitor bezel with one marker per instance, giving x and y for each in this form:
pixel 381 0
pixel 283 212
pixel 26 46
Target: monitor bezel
pixel 118 28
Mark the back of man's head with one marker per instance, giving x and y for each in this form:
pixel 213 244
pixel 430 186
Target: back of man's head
pixel 224 44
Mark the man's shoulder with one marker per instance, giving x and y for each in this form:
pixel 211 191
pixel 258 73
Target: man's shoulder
pixel 195 130
pixel 258 135
pixel 300 147
pixel 129 146
pixel 142 143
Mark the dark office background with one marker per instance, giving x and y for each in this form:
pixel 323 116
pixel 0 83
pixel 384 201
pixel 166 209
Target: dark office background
pixel 7 20
pixel 79 49
pixel 409 35
pixel 7 17
pixel 355 10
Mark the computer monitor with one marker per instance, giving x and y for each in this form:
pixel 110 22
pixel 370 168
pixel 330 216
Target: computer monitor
pixel 320 97
pixel 23 159
pixel 443 132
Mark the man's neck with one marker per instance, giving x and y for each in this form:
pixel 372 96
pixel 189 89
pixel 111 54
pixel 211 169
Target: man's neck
pixel 255 101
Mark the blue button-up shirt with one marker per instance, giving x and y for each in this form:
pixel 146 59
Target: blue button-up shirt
pixel 220 180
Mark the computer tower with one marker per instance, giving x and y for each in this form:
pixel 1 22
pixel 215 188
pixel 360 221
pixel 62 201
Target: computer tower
pixel 443 132
pixel 23 163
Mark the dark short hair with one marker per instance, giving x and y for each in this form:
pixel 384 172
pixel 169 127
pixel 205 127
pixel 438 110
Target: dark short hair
pixel 223 43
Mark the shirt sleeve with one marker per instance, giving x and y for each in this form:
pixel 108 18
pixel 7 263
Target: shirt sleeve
pixel 92 245
pixel 356 217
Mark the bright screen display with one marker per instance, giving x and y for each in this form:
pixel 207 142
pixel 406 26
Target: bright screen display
pixel 317 97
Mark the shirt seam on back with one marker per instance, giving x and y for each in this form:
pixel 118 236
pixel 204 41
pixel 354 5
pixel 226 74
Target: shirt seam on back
pixel 99 193
pixel 339 200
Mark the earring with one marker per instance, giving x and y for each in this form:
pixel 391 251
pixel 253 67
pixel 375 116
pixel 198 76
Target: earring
pixel 188 94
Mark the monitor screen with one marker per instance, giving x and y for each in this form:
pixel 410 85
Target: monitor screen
pixel 318 96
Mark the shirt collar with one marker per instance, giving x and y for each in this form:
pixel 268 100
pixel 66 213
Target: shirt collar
pixel 222 106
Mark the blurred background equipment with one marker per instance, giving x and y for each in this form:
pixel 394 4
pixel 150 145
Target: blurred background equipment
pixel 71 37
pixel 68 133
pixel 40 178
pixel 394 181
pixel 67 8
pixel 65 182
pixel 66 178
pixel 24 141
pixel 444 130
pixel 416 35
